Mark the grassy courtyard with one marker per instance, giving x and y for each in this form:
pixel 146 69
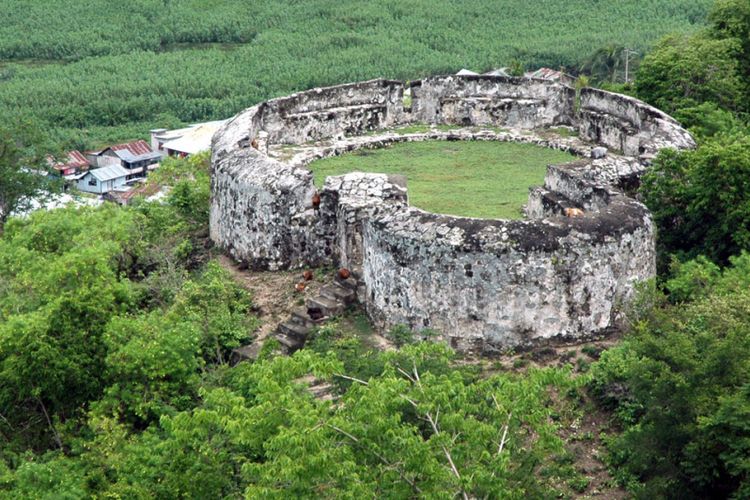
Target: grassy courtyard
pixel 484 179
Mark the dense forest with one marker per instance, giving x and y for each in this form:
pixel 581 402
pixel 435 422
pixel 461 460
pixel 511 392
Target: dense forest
pixel 116 323
pixel 93 71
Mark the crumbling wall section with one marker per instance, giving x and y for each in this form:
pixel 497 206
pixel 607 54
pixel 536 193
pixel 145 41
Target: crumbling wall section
pixel 492 100
pixel 333 112
pixel 628 125
pixel 354 198
pixel 262 220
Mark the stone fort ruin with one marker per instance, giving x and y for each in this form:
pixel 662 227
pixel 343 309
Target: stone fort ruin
pixel 483 285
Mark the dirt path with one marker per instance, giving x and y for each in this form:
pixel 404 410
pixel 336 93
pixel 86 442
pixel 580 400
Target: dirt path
pixel 273 292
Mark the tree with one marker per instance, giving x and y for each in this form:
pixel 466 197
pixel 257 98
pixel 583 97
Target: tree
pixel 685 71
pixel 730 19
pixel 604 64
pixel 23 160
pixel 701 199
pixel 680 387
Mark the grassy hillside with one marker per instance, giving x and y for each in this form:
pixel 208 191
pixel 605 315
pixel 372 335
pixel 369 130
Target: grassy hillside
pixel 471 179
pixel 95 70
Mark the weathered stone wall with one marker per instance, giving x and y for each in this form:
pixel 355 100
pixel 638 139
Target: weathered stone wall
pixel 261 211
pixel 483 284
pixel 488 285
pixel 352 199
pixel 495 101
pixel 628 125
pixel 333 112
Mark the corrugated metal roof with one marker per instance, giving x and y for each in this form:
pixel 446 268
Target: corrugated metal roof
pixel 139 147
pixel 109 172
pixel 498 72
pixel 168 135
pixel 545 74
pixel 195 139
pixel 126 155
pixel 75 160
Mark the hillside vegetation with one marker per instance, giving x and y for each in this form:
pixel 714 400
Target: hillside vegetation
pixel 116 323
pixel 93 70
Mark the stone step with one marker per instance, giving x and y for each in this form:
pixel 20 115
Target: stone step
pixel 294 330
pixel 302 317
pixel 245 353
pixel 350 283
pixel 338 293
pixel 288 344
pixel 325 305
pixel 357 272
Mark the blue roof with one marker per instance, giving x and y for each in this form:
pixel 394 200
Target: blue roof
pixel 109 172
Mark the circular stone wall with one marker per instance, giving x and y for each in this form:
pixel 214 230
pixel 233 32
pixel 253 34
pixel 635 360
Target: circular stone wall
pixel 483 285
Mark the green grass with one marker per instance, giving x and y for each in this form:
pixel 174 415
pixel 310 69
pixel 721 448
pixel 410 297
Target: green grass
pixel 484 179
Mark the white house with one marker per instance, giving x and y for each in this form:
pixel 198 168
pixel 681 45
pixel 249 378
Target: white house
pixel 103 180
pixel 185 141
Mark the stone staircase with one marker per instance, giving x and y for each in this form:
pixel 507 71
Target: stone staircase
pixel 331 300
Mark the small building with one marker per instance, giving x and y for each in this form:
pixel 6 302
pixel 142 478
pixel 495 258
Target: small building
pixel 103 180
pixel 551 75
pixel 75 163
pixel 136 157
pixel 185 141
pixel 499 72
pixel 147 191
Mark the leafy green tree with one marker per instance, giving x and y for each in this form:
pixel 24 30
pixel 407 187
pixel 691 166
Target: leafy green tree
pixel 708 120
pixel 685 71
pixel 23 163
pixel 701 199
pixel 679 386
pixel 220 309
pixel 190 186
pixel 151 367
pixel 604 64
pixel 730 19
pixel 61 288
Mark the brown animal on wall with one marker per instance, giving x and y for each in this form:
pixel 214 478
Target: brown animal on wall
pixel 573 212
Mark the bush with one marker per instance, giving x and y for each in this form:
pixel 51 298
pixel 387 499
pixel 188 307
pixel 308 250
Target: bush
pixel 680 386
pixel 701 200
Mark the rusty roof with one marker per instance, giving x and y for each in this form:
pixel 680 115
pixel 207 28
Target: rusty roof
pixel 75 160
pixel 139 147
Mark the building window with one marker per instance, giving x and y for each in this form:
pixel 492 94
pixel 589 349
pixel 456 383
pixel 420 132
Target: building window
pixel 92 182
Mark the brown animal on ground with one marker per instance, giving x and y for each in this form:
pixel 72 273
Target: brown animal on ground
pixel 254 143
pixel 316 200
pixel 300 287
pixel 573 212
pixel 344 273
pixel 308 275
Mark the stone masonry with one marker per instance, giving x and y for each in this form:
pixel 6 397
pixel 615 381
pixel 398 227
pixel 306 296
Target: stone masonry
pixel 565 272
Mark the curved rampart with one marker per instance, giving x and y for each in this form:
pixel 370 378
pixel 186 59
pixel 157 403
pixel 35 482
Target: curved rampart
pixel 482 284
